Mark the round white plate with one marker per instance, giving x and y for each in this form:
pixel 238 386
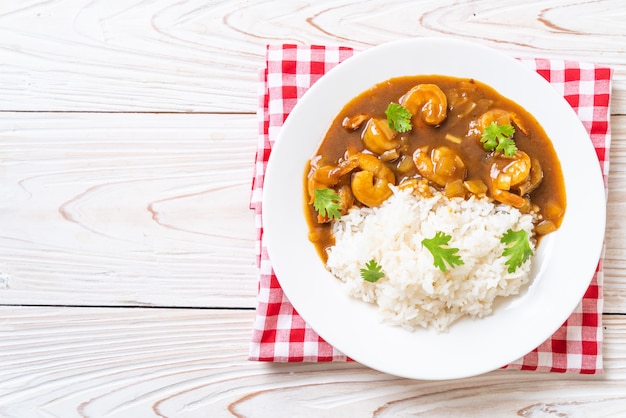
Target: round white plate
pixel 563 265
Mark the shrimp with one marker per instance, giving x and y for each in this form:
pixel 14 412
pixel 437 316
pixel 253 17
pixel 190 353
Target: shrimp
pixel 378 137
pixel 533 180
pixel 346 201
pixel 325 176
pixel 330 176
pixel 320 178
pixel 371 179
pixel 369 183
pixel 507 173
pixel 442 165
pixel 429 100
pixel 346 198
pixel 499 117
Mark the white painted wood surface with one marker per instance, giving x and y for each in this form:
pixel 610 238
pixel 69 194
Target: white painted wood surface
pixel 127 267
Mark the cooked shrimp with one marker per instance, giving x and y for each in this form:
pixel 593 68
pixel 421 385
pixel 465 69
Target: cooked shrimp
pixel 370 186
pixel 499 117
pixel 441 165
pixel 508 198
pixel 346 201
pixel 378 137
pixel 346 198
pixel 429 100
pixel 319 178
pixel 370 182
pixel 505 174
pixel 327 176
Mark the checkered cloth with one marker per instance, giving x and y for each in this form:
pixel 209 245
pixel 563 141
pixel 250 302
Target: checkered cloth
pixel 280 334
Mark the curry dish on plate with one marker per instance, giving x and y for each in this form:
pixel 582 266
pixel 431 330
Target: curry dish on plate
pixel 453 135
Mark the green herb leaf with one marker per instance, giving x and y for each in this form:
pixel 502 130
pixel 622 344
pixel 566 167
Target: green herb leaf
pixel 327 203
pixel 442 255
pixel 518 249
pixel 398 117
pixel 499 138
pixel 372 271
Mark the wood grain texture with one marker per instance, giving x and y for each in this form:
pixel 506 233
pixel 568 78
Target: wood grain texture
pixel 202 56
pixel 95 362
pixel 615 254
pixel 127 136
pixel 147 209
pixel 128 209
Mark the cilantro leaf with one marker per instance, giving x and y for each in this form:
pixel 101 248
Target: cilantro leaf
pixel 372 271
pixel 398 117
pixel 440 254
pixel 518 248
pixel 507 147
pixel 499 138
pixel 326 203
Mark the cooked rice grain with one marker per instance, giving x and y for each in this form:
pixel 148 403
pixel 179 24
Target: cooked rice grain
pixel 414 293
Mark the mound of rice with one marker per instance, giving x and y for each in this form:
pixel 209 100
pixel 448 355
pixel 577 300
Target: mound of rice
pixel 414 293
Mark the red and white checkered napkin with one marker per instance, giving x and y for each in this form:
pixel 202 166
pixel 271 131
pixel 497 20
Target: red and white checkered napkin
pixel 281 335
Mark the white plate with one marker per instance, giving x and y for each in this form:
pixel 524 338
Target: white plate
pixel 564 263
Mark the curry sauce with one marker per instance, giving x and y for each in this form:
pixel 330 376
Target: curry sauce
pixel 361 154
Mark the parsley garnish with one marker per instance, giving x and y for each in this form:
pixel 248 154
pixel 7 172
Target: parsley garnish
pixel 518 249
pixel 440 254
pixel 398 117
pixel 499 138
pixel 326 203
pixel 372 271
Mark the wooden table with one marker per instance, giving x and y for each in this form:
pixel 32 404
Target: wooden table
pixel 127 255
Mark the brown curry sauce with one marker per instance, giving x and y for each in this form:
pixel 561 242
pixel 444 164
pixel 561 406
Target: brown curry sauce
pixel 467 100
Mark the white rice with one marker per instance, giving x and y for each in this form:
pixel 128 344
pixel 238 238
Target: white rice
pixel 414 292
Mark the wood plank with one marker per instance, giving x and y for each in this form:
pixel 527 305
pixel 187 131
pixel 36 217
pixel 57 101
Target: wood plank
pixel 196 56
pixel 127 209
pixel 145 209
pixel 79 362
pixel 615 256
pixel 131 209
